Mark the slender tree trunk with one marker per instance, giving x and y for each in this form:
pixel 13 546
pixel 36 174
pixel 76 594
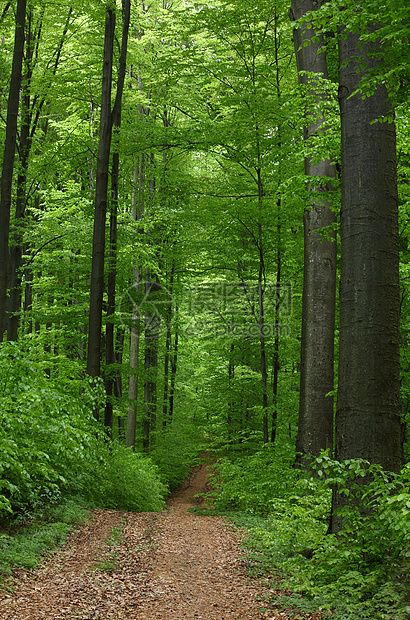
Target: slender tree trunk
pixel 152 323
pixel 231 376
pixel 165 406
pixel 133 378
pixel 8 156
pixel 112 265
pixel 100 205
pixel 112 273
pixel 30 113
pixel 261 319
pixel 138 206
pixel 119 350
pixel 16 249
pixel 264 371
pixel 315 429
pixel 174 360
pixel 28 299
pixel 276 360
pixel 368 400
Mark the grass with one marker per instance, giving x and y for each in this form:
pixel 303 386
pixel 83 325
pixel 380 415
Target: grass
pixel 115 538
pixel 24 544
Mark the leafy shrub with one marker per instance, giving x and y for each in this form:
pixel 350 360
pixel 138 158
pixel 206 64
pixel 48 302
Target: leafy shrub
pixel 51 447
pixel 126 480
pixel 363 572
pixel 252 483
pixel 175 452
pixel 360 574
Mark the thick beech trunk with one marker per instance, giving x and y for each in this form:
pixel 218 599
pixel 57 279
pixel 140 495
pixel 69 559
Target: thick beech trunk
pixel 315 429
pixel 8 157
pixel 368 401
pixel 100 204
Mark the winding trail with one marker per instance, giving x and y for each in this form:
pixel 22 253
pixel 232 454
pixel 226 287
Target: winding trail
pixel 170 565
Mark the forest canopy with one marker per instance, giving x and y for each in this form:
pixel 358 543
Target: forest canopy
pixel 204 246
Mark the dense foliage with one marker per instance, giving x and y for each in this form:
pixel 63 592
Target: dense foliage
pixel 52 448
pixel 203 284
pixel 363 573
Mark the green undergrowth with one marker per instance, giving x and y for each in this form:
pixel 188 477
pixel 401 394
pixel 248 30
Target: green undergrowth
pixel 114 540
pixel 24 544
pixel 176 451
pixel 51 447
pixel 51 450
pixel 361 574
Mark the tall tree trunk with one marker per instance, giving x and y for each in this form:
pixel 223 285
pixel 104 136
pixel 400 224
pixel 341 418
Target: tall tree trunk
pixel 30 113
pixel 174 360
pixel 152 323
pixel 276 360
pixel 368 400
pixel 112 273
pixel 315 429
pixel 138 205
pixel 8 156
pixel 100 204
pixel 119 351
pixel 110 377
pixel 165 405
pixel 16 249
pixel 261 317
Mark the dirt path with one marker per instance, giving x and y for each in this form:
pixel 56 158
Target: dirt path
pixel 170 565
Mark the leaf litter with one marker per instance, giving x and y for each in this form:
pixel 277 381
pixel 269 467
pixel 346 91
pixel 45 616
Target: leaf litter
pixel 159 566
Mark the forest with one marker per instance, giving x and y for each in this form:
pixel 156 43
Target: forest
pixel 205 249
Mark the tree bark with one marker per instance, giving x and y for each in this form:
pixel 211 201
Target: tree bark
pixel 138 206
pixel 119 350
pixel 110 377
pixel 16 249
pixel 261 314
pixel 165 405
pixel 30 115
pixel 133 379
pixel 152 323
pixel 100 204
pixel 368 401
pixel 315 428
pixel 8 157
pixel 276 359
pixel 174 360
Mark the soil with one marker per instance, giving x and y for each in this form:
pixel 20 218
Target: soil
pixel 144 566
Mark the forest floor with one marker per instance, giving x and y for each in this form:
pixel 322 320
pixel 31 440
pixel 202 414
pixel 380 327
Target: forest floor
pixel 145 566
